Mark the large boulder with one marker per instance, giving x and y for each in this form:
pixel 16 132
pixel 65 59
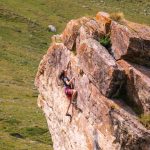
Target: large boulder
pixel 131 42
pixel 102 122
pixel 71 31
pixel 100 67
pixel 90 29
pixel 138 85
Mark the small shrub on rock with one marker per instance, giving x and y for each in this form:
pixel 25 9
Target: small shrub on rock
pixel 105 41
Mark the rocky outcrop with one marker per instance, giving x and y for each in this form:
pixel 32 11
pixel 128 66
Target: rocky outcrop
pixel 138 85
pixel 100 67
pixel 105 122
pixel 131 42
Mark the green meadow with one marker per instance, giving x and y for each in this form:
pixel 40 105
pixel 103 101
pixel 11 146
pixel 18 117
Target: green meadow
pixel 24 39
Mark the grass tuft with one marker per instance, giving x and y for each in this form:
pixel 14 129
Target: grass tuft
pixel 13 121
pixel 118 16
pixel 145 120
pixel 34 131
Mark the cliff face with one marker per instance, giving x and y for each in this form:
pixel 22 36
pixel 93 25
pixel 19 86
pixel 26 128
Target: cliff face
pixel 102 76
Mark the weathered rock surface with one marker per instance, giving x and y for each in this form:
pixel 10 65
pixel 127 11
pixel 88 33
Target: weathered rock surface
pixel 100 67
pixel 138 85
pixel 71 32
pixel 104 123
pixel 131 42
pixel 104 21
pixel 90 29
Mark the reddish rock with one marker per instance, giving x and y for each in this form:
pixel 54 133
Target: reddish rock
pixel 71 31
pixel 100 67
pixel 103 123
pixel 90 29
pixel 104 22
pixel 56 58
pixel 138 85
pixel 131 42
pixel 56 38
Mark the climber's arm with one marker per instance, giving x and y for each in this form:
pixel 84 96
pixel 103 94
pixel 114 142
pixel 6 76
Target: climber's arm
pixel 69 82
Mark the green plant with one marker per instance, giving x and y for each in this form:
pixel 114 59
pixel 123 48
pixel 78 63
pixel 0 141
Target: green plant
pixel 105 41
pixel 13 121
pixel 34 131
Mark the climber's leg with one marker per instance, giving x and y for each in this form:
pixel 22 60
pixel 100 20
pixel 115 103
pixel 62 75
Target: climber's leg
pixel 74 96
pixel 67 114
pixel 74 100
pixel 72 110
pixel 68 93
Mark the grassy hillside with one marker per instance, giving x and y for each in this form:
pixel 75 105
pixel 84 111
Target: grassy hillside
pixel 24 39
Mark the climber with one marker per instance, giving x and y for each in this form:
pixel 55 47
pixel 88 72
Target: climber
pixel 70 92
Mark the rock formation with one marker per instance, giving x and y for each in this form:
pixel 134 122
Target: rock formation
pixel 106 80
pixel 138 85
pixel 136 42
